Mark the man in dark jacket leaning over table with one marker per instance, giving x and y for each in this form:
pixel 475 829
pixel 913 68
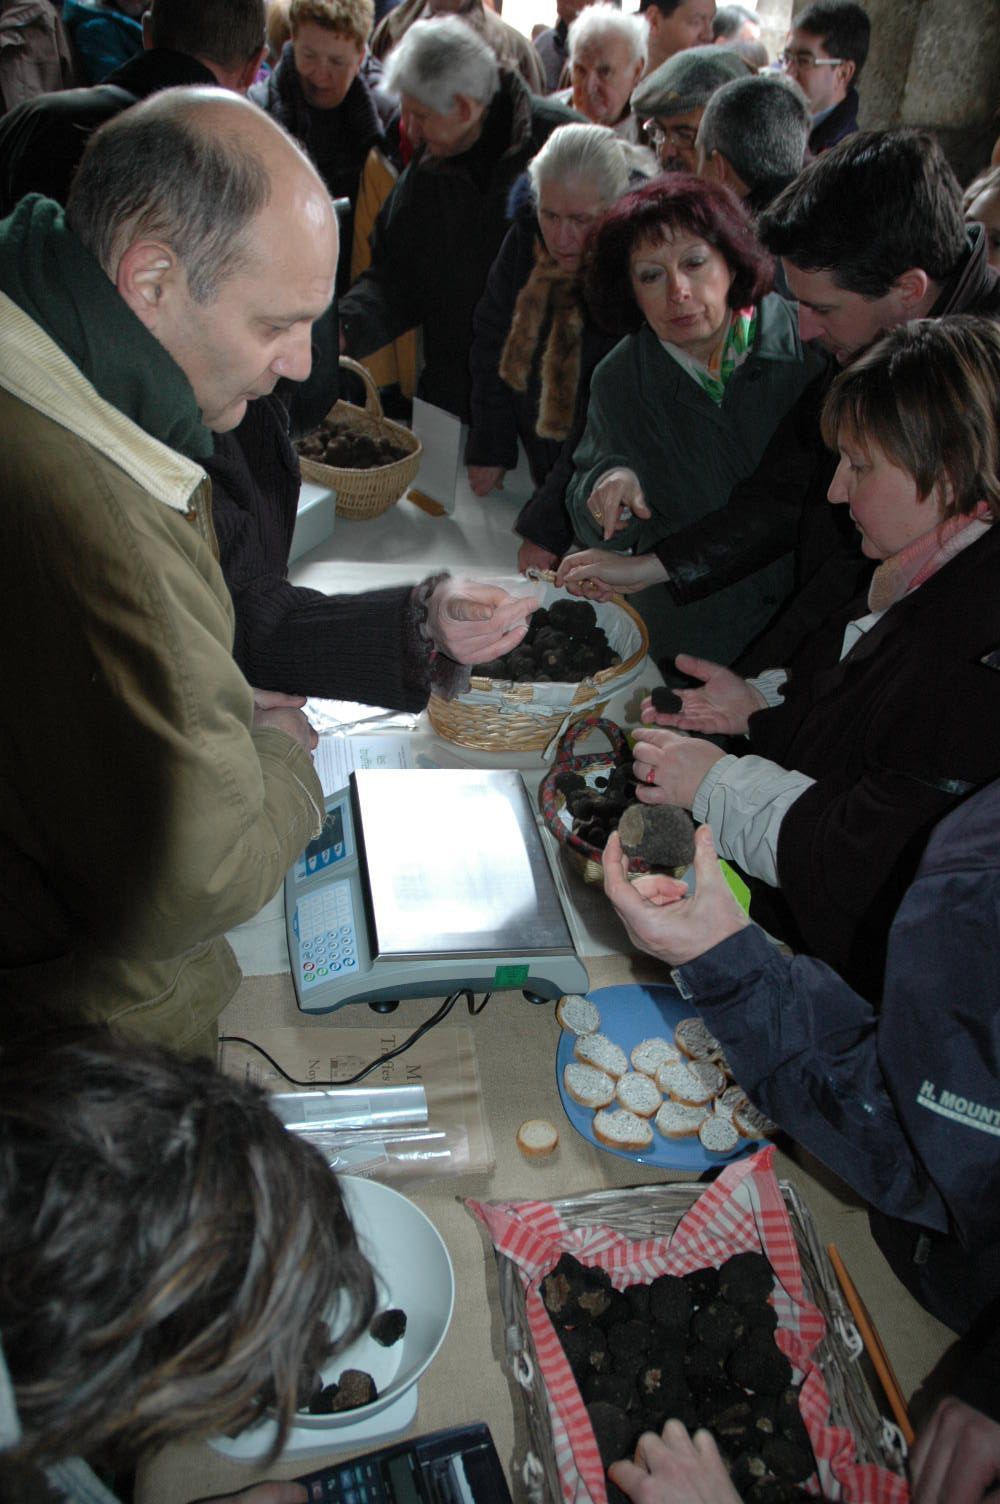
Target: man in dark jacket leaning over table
pixel 151 798
pixel 474 128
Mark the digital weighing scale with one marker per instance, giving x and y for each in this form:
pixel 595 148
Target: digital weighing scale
pixel 424 881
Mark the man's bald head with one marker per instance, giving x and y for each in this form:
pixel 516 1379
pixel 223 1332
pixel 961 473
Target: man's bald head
pixel 193 168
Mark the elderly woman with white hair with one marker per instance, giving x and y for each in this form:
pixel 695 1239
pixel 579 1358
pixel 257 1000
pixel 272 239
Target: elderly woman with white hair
pixel 534 345
pixel 607 54
pixel 474 128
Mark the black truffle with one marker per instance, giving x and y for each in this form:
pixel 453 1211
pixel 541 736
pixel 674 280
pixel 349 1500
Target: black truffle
pixel 612 1431
pixel 758 1365
pixel 610 1388
pixel 719 1325
pixel 665 700
pixel 388 1327
pixel 703 1284
pixel 746 1279
pixel 670 1302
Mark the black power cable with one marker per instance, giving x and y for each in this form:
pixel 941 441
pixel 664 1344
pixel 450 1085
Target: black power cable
pixel 418 1033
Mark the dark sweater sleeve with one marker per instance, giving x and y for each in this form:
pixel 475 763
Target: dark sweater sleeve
pixel 493 426
pixel 760 521
pixel 364 647
pixel 385 301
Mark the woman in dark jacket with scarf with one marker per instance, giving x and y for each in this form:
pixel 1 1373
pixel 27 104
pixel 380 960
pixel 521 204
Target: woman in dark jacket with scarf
pixel 684 406
pixel 534 347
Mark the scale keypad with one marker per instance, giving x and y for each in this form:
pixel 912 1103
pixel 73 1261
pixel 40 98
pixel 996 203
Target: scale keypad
pixel 328 944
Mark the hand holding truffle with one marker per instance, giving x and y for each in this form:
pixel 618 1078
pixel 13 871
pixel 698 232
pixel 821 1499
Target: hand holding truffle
pixel 661 916
pixel 675 1468
pixel 723 703
pixel 669 766
pixel 473 623
pixel 597 574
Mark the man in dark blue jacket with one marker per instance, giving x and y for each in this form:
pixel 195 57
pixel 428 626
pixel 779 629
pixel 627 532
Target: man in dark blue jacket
pixel 825 53
pixel 902 1101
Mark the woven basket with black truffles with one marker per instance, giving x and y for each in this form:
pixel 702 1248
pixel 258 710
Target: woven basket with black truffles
pixel 587 795
pixel 699 1348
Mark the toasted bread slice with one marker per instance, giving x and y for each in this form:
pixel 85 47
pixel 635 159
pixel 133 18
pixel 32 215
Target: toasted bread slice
pixel 588 1086
pixel 620 1129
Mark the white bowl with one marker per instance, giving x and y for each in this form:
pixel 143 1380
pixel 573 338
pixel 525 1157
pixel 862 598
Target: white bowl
pixel 413 1272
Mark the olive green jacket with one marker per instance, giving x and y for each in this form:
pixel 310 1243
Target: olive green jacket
pixel 646 414
pixel 140 815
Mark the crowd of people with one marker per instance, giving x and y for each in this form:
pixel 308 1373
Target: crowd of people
pixel 751 353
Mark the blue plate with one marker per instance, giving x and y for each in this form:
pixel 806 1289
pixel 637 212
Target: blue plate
pixel 629 1015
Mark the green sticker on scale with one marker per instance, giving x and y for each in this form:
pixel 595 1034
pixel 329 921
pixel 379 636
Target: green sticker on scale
pixel 510 976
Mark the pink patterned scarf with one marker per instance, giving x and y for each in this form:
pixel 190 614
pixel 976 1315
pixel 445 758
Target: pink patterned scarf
pixel 911 566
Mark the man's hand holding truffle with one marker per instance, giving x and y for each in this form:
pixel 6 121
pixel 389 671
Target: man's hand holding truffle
pixel 675 1468
pixel 662 917
pixel 669 766
pixel 723 703
pixel 472 623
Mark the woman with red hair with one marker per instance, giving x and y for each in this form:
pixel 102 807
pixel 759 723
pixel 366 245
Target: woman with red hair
pixel 683 406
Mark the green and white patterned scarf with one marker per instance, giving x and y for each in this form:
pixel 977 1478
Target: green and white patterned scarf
pixel 736 345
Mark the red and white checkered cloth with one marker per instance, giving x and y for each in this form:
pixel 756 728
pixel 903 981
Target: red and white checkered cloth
pixel 742 1210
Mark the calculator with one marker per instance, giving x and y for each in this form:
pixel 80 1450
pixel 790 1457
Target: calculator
pixel 456 1466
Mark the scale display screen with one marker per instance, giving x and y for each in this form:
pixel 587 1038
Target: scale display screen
pixel 455 866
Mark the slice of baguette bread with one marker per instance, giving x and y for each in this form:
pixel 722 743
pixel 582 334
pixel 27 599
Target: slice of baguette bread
pixel 599 1050
pixel 650 1054
pixel 728 1101
pixel 752 1123
pixel 588 1086
pixel 718 1135
pixel 639 1093
pixel 694 1039
pixel 681 1083
pixel 674 1120
pixel 537 1138
pixel 578 1014
pixel 622 1130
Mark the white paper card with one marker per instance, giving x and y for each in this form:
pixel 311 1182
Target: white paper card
pixel 337 756
pixel 443 437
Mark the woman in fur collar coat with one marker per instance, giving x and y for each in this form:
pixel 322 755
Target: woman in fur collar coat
pixel 534 347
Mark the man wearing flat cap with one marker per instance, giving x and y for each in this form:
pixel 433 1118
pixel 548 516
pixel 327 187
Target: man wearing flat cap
pixel 671 100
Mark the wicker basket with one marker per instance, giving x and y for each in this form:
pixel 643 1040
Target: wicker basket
pixel 654 1212
pixel 580 854
pixel 363 494
pixel 499 716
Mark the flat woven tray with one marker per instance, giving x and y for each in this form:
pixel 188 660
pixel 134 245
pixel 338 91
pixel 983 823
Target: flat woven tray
pixel 654 1212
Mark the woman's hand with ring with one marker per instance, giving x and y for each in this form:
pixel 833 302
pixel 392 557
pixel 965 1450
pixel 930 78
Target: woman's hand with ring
pixel 669 767
pixel 615 500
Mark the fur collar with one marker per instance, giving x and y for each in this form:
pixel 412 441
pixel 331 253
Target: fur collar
pixel 549 301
